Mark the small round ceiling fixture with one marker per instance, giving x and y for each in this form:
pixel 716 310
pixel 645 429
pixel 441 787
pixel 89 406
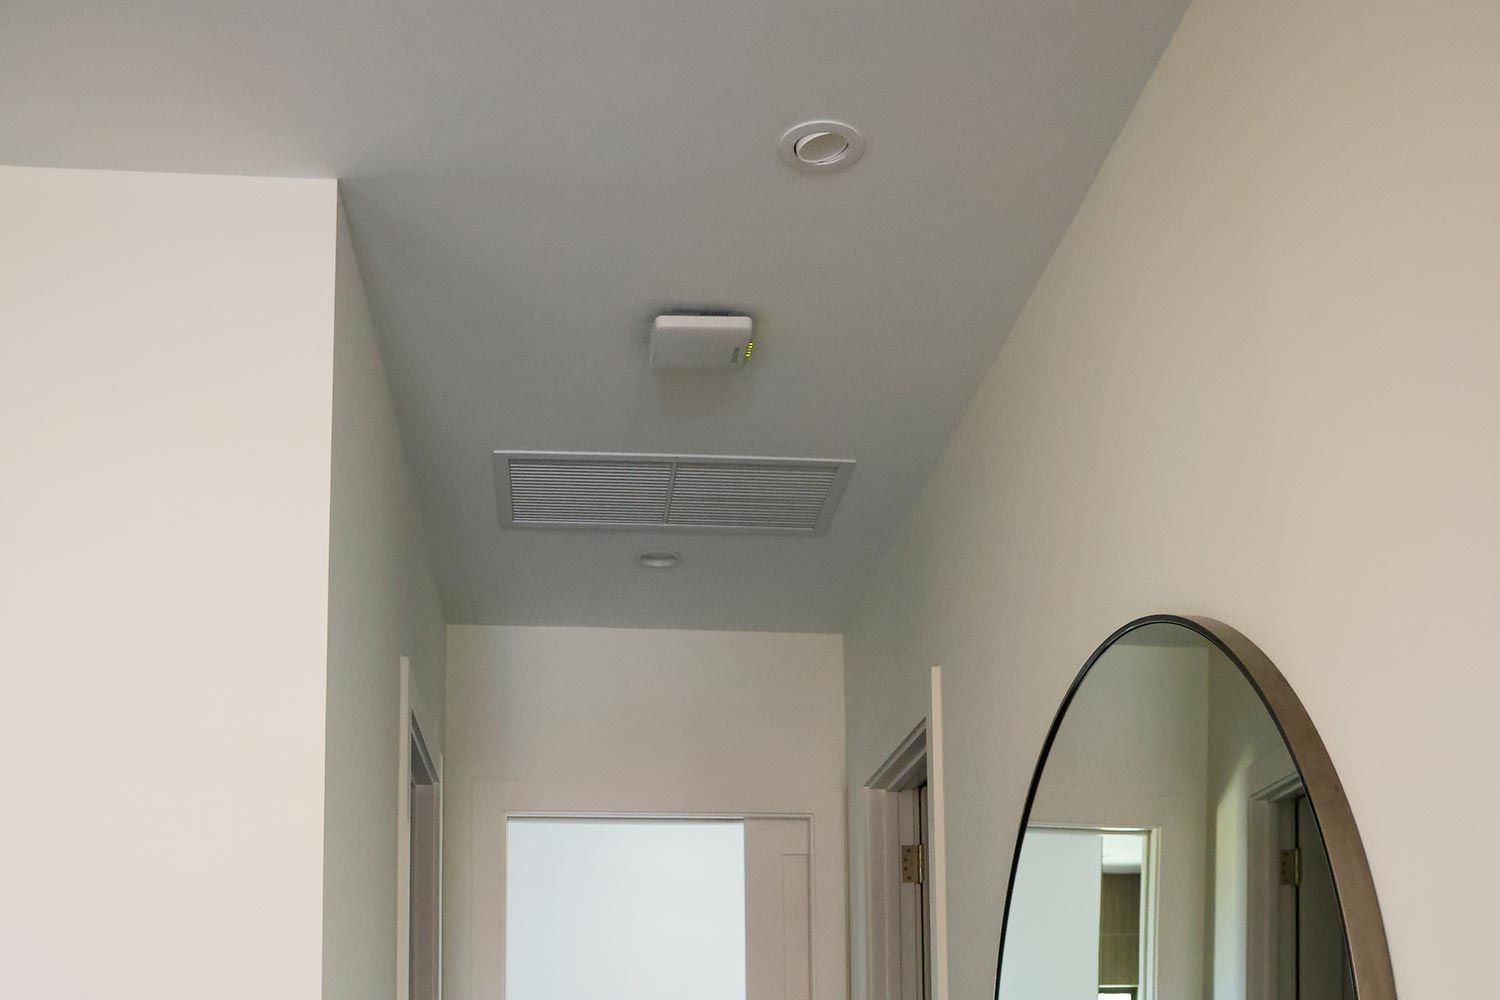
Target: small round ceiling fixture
pixel 822 146
pixel 657 560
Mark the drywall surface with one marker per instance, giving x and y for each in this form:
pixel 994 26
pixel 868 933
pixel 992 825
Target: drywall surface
pixel 1257 381
pixel 382 605
pixel 635 720
pixel 166 353
pixel 1132 752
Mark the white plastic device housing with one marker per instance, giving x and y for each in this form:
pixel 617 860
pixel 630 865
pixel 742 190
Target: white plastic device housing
pixel 700 342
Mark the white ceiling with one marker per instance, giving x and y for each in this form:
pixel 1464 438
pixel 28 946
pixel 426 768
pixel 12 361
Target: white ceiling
pixel 530 181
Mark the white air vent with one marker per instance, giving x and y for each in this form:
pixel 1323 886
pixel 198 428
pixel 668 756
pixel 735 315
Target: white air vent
pixel 792 496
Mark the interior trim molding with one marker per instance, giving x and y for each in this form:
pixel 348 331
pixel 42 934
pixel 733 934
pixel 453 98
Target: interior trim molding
pixel 1369 951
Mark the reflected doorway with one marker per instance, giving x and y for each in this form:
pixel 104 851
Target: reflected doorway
pixel 1089 894
pixel 1312 951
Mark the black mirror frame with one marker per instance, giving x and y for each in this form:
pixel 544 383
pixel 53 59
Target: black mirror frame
pixel 1369 952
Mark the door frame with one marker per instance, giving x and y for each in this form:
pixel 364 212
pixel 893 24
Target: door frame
pixel 890 793
pixel 1150 892
pixel 410 738
pixel 894 920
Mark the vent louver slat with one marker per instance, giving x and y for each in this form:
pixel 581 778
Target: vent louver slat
pixel 790 498
pixel 669 492
pixel 561 493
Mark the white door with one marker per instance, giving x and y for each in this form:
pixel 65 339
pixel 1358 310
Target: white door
pixel 633 908
pixel 1052 939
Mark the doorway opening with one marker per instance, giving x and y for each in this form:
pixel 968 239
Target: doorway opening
pixel 899 820
pixel 1123 916
pixel 424 867
pixel 1312 949
pixel 1296 948
pixel 1091 895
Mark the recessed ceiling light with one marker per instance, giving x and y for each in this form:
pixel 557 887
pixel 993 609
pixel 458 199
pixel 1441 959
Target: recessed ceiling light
pixel 657 560
pixel 821 146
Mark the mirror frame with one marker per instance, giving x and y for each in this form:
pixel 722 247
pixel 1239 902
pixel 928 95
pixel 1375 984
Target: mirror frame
pixel 1369 952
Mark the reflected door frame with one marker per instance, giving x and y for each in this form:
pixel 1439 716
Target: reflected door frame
pixel 1274 786
pixel 1150 892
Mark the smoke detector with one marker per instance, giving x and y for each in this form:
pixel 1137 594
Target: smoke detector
pixel 701 342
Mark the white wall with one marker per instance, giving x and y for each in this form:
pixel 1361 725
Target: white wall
pixel 382 605
pixel 166 353
pixel 1257 381
pixel 579 719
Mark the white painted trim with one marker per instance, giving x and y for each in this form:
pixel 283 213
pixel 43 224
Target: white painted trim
pixel 886 796
pixel 906 767
pixel 882 897
pixel 1151 900
pixel 403 835
pixel 919 754
pixel 597 814
pixel 437 762
pixel 937 865
pixel 409 731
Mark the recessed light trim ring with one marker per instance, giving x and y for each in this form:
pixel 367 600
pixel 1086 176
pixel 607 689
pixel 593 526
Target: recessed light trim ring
pixel 821 146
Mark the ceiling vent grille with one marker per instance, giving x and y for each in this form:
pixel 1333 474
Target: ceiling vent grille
pixel 706 493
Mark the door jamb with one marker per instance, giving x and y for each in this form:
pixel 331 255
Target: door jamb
pixel 920 751
pixel 410 736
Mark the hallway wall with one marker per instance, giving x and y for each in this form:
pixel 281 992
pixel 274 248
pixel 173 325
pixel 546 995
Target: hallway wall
pixel 166 355
pixel 636 720
pixel 1257 382
pixel 382 605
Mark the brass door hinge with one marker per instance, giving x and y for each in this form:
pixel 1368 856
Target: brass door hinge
pixel 1291 867
pixel 912 863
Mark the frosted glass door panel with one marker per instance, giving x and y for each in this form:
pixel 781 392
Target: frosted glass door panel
pixel 630 909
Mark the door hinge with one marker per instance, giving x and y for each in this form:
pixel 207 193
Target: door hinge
pixel 1291 867
pixel 912 863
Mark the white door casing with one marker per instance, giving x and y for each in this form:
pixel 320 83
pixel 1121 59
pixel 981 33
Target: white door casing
pixel 778 909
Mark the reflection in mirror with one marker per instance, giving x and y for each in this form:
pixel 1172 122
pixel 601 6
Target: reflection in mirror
pixel 1171 851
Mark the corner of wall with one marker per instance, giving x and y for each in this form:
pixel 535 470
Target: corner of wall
pixel 383 605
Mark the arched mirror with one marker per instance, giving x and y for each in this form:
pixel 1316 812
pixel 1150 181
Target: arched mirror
pixel 1186 836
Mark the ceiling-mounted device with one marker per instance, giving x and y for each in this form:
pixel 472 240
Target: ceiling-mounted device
pixel 701 342
pixel 698 493
pixel 821 146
